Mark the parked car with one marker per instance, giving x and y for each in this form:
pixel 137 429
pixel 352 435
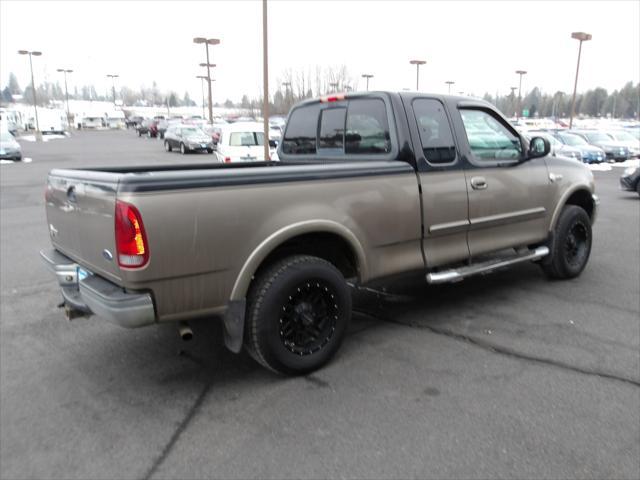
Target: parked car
pixel 630 180
pixel 161 127
pixel 214 132
pixel 148 127
pixel 614 150
pixel 10 149
pixel 590 153
pixel 627 139
pixel 133 122
pixel 92 122
pixel 417 182
pixel 241 142
pixel 557 147
pixel 187 138
pixel 275 133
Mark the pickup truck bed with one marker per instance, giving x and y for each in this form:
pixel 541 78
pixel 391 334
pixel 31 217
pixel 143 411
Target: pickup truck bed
pixel 411 182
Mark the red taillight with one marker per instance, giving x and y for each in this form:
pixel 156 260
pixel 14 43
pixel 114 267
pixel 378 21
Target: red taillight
pixel 227 159
pixel 332 98
pixel 131 239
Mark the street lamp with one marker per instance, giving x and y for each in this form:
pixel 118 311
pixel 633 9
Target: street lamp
pixel 513 98
pixel 66 93
pixel 417 63
pixel 207 42
pixel 33 87
pixel 582 37
pixel 265 81
pixel 202 79
pixel 521 73
pixel 449 82
pixel 367 76
pixel 113 77
pixel 334 85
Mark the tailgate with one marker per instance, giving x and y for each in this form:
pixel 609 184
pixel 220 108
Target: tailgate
pixel 80 215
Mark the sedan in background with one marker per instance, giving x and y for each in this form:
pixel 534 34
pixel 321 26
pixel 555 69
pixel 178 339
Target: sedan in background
pixel 148 128
pixel 590 153
pixel 626 139
pixel 9 148
pixel 630 180
pixel 614 150
pixel 557 147
pixel 187 138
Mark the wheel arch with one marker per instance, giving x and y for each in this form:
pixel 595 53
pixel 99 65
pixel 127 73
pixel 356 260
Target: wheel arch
pixel 323 238
pixel 580 196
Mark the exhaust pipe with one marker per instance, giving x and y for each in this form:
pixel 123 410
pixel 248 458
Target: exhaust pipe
pixel 185 331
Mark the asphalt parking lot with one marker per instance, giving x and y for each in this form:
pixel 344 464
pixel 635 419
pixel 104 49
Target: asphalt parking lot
pixel 504 376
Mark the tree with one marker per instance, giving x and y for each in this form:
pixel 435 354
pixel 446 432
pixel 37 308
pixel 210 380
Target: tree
pixel 14 88
pixel 173 100
pixel 6 95
pixel 228 104
pixel 244 103
pixel 186 100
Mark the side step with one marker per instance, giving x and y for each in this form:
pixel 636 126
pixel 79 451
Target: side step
pixel 457 274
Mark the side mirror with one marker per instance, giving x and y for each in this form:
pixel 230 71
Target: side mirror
pixel 273 143
pixel 538 147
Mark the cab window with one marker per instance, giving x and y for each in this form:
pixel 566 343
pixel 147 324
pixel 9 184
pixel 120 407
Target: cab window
pixel 438 146
pixel 489 139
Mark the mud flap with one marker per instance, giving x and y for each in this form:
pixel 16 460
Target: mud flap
pixel 233 321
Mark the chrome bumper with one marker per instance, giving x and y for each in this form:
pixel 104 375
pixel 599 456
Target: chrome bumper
pixel 95 295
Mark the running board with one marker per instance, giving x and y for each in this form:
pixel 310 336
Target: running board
pixel 457 274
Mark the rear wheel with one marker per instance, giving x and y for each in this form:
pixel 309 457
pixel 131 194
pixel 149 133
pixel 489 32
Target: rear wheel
pixel 638 187
pixel 571 245
pixel 139 133
pixel 183 149
pixel 167 146
pixel 298 311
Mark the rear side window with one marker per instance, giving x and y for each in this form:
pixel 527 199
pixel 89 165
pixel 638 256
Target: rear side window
pixel 302 128
pixel 246 139
pixel 332 130
pixel 367 127
pixel 435 132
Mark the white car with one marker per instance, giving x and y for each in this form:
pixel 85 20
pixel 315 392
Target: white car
pixel 242 142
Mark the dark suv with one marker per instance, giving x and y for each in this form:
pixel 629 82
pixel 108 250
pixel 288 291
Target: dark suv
pixel 614 150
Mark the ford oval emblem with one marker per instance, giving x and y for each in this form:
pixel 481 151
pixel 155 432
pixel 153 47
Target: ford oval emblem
pixel 107 254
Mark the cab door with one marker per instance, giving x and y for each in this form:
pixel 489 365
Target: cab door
pixel 508 195
pixel 445 213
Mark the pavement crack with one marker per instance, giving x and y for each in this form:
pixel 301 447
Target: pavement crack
pixel 492 347
pixel 178 431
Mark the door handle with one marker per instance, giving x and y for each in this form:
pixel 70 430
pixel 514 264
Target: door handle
pixel 479 183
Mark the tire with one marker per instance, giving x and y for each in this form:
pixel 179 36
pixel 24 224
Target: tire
pixel 183 149
pixel 149 134
pixel 298 311
pixel 167 146
pixel 638 187
pixel 139 133
pixel 209 150
pixel 571 245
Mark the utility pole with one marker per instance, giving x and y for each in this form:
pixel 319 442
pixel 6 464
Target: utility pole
pixel 66 93
pixel 207 42
pixel 113 86
pixel 449 83
pixel 519 111
pixel 417 63
pixel 367 76
pixel 33 88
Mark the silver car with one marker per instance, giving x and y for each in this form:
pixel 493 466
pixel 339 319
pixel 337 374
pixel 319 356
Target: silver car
pixel 9 148
pixel 187 138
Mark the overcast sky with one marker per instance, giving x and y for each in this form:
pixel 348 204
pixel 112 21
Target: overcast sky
pixel 477 44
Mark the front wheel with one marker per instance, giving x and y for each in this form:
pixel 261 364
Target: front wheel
pixel 209 150
pixel 167 147
pixel 571 244
pixel 298 311
pixel 183 149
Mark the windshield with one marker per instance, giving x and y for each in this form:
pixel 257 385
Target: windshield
pixel 246 139
pixel 623 137
pixel 573 140
pixel 597 137
pixel 191 131
pixel 6 137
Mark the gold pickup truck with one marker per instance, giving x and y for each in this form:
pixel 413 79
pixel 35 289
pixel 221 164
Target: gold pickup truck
pixel 368 186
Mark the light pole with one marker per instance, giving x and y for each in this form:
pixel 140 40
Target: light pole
pixel 367 76
pixel 417 63
pixel 33 87
pixel 202 79
pixel 582 37
pixel 521 73
pixel 265 81
pixel 113 77
pixel 66 93
pixel 207 42
pixel 513 98
pixel 334 85
pixel 449 83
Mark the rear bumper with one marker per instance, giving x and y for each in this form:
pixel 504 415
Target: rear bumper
pixel 95 295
